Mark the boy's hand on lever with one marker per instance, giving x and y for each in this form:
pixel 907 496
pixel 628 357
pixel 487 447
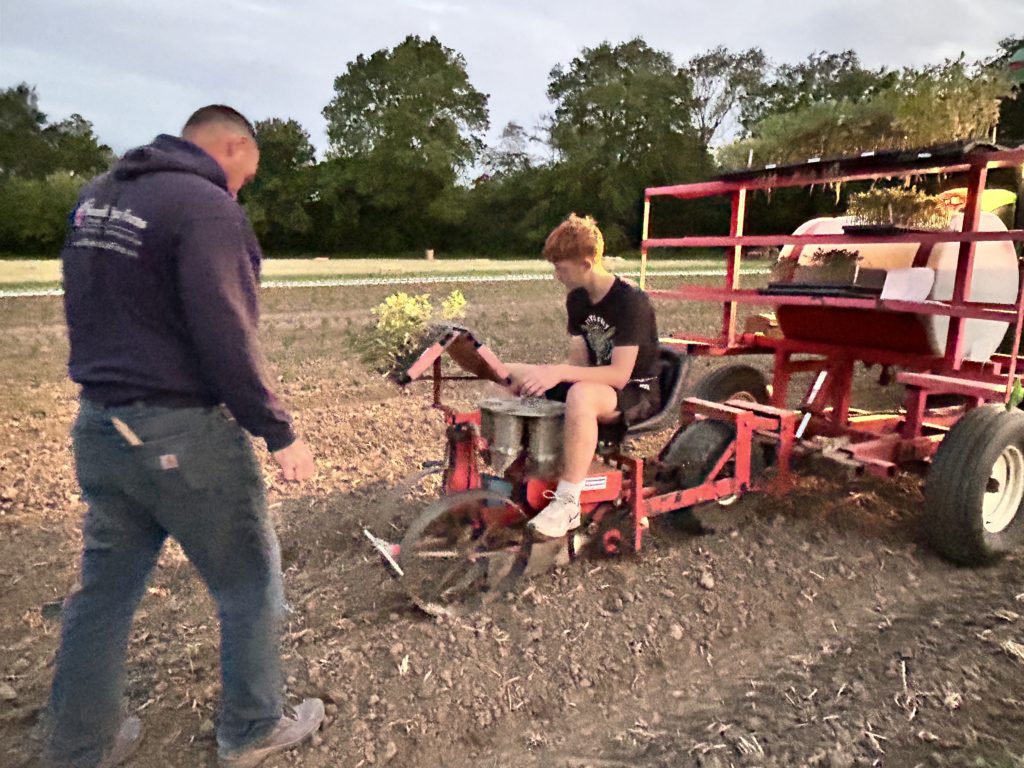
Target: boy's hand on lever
pixel 538 379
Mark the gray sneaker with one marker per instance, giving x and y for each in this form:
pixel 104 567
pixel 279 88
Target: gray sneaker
pixel 286 734
pixel 126 743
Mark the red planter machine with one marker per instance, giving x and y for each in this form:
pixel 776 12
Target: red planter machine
pixel 731 427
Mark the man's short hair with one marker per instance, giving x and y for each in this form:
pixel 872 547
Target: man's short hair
pixel 575 239
pixel 219 114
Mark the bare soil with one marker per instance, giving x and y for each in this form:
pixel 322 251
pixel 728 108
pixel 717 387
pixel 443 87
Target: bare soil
pixel 816 629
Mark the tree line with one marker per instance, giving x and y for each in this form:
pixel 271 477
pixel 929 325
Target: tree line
pixel 407 166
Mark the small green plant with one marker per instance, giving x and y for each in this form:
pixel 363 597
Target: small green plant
pixel 402 325
pixel 453 306
pixel 783 270
pixel 833 257
pixel 899 206
pixel 1016 395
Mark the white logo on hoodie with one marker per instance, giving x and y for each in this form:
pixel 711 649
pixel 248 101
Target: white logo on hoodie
pixel 107 228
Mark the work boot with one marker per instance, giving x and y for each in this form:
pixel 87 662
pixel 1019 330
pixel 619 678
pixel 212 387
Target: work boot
pixel 286 734
pixel 557 518
pixel 126 743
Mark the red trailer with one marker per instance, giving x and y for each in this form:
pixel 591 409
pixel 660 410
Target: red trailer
pixel 953 425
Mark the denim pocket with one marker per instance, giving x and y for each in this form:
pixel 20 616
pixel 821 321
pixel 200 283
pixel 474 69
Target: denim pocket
pixel 199 461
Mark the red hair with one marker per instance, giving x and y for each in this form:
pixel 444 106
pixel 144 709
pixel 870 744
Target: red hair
pixel 575 239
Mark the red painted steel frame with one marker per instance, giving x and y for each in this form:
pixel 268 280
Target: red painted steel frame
pixel 464 446
pixel 768 423
pixel 900 439
pixel 823 174
pixel 877 443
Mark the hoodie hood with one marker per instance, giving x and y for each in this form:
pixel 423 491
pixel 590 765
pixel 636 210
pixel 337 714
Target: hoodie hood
pixel 169 154
pixel 160 288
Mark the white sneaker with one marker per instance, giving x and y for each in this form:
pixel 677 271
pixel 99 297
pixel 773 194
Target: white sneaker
pixel 557 518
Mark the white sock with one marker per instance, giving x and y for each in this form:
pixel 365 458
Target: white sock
pixel 570 489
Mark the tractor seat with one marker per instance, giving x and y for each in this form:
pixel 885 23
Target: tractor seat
pixel 672 367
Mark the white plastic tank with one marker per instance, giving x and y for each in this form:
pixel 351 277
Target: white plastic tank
pixel 872 255
pixel 995 278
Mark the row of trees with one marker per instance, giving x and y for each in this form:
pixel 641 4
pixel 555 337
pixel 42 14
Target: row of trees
pixel 42 166
pixel 407 166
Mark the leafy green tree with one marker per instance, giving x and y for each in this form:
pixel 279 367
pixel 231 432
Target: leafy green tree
pixel 511 154
pixel 722 80
pixel 949 101
pixel 616 100
pixel 1011 109
pixel 623 120
pixel 823 77
pixel 938 104
pixel 415 98
pixel 335 208
pixel 512 206
pixel 76 148
pixel 513 212
pixel 407 122
pixel 34 212
pixel 277 200
pixel 32 149
pixel 23 149
pixel 42 168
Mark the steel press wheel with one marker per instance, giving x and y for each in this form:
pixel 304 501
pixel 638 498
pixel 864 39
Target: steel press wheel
pixel 975 487
pixel 415 490
pixel 460 547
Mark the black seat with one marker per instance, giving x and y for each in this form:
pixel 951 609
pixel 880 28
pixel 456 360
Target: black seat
pixel 672 366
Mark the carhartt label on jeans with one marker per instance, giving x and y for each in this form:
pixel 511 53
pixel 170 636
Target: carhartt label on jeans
pixel 168 461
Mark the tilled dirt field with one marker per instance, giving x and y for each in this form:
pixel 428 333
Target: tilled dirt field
pixel 811 630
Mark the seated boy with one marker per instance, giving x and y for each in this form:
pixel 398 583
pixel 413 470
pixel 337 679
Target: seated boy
pixel 611 369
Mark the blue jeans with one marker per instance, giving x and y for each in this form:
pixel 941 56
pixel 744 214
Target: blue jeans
pixel 195 478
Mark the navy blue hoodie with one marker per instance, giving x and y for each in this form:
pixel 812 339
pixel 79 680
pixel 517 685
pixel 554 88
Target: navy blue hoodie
pixel 160 277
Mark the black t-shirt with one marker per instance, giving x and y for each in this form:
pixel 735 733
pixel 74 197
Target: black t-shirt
pixel 623 318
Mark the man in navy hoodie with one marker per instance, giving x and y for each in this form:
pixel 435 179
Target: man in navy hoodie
pixel 161 270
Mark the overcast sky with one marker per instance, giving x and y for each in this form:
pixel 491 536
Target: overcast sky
pixel 136 68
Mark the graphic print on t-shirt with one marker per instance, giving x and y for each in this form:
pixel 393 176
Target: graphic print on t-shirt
pixel 599 338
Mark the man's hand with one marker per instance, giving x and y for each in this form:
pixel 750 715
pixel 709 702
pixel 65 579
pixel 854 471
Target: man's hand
pixel 538 379
pixel 296 462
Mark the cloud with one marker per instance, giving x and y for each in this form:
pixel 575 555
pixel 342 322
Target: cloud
pixel 439 7
pixel 137 69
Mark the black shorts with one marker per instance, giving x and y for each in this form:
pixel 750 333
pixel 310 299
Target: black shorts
pixel 632 401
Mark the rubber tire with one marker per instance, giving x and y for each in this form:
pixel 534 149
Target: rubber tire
pixel 695 451
pixel 956 483
pixel 723 383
